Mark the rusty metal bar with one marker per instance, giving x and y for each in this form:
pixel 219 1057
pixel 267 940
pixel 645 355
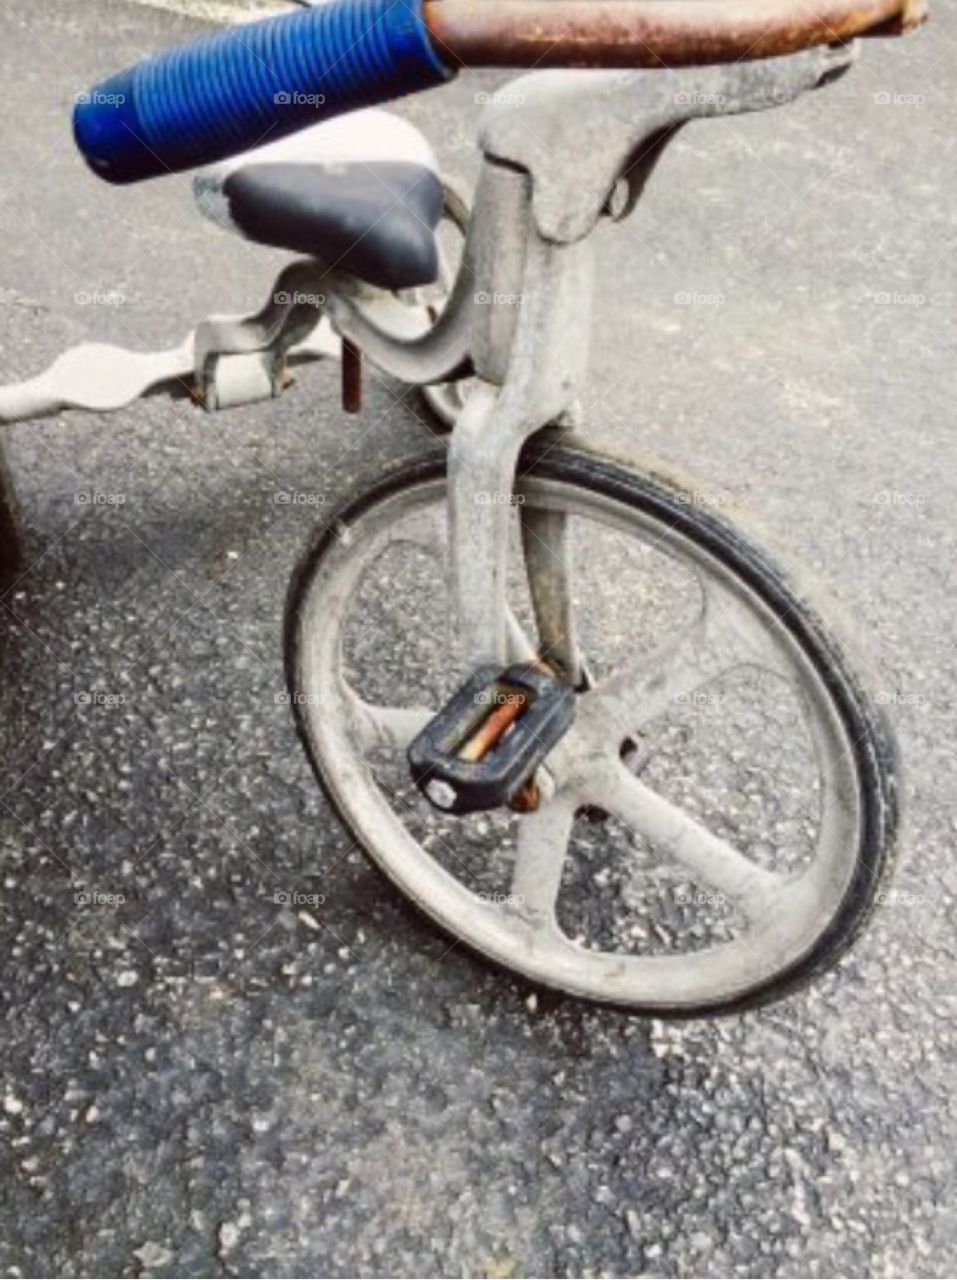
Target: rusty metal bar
pixel 651 33
pixel 351 377
pixel 492 728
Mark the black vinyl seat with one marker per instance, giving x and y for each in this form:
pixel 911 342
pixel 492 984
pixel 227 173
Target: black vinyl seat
pixel 373 220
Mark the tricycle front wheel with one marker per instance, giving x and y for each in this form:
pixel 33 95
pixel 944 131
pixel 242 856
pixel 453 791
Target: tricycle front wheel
pixel 718 819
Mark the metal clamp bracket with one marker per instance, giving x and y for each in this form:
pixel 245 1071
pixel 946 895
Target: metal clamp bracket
pixel 605 122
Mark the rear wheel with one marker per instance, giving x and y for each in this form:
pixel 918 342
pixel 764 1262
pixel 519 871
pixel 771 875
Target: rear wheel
pixel 743 779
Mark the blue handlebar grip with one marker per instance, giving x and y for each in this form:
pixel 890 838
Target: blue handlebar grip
pixel 248 85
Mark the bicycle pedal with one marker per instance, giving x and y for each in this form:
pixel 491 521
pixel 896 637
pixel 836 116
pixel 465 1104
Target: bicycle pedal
pixel 482 749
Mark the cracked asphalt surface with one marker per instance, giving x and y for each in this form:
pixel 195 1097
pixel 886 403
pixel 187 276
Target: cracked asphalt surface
pixel 199 1081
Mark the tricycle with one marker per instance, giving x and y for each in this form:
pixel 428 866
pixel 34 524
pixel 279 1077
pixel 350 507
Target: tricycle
pixel 544 607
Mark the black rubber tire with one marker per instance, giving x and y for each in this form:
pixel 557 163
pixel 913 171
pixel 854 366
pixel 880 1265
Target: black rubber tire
pixel 643 483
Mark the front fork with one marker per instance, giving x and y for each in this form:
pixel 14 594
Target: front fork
pixel 529 351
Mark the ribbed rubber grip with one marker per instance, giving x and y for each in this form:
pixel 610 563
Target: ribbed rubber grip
pixel 251 84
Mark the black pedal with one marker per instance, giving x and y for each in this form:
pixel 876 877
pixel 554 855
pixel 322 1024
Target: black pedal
pixel 487 741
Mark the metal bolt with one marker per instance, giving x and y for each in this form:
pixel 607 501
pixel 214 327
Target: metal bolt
pixel 442 794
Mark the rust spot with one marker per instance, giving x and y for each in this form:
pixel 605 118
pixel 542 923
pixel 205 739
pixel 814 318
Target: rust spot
pixel 652 33
pixel 492 728
pixel 527 799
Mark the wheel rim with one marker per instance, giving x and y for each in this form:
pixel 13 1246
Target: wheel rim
pixel 785 915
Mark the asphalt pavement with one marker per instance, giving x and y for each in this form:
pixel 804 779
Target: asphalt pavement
pixel 198 1081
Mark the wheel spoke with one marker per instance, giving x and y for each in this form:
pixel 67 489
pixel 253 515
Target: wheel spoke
pixel 425 529
pixel 520 648
pixel 542 848
pixel 673 831
pixel 378 726
pixel 722 637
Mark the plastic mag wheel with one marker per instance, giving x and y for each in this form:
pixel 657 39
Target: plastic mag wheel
pixel 718 819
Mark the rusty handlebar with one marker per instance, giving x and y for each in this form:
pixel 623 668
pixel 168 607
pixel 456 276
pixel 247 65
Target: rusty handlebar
pixel 651 33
